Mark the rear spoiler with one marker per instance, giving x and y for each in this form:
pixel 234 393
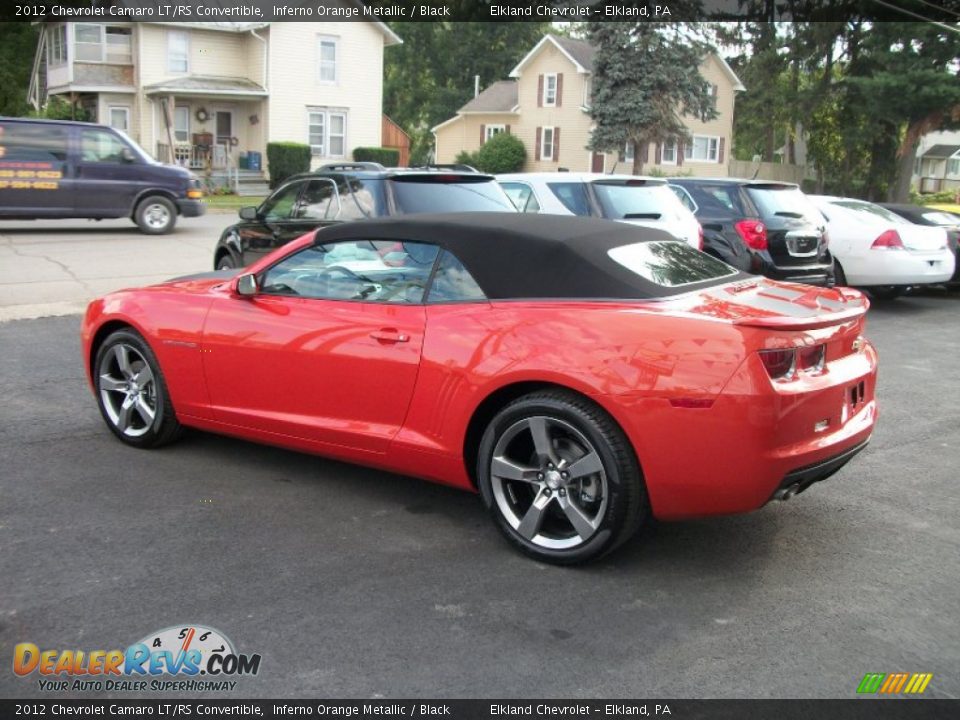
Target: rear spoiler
pixel 780 322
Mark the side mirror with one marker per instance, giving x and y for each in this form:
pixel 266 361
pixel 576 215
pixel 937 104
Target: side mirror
pixel 127 156
pixel 248 213
pixel 247 285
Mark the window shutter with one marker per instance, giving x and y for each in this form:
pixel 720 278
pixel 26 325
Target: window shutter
pixel 559 89
pixel 483 133
pixel 679 152
pixel 645 155
pixel 658 154
pixel 540 91
pixel 622 156
pixel 507 130
pixel 720 151
pixel 556 144
pixel 539 138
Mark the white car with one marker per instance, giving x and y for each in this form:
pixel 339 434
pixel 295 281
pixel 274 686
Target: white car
pixel 638 200
pixel 877 249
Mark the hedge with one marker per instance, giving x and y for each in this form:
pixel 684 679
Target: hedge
pixel 285 159
pixel 389 157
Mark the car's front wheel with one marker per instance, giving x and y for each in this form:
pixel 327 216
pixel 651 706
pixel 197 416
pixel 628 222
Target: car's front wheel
pixel 155 215
pixel 131 392
pixel 560 478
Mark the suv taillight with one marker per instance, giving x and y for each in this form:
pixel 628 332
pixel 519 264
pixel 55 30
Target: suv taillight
pixel 753 233
pixel 888 240
pixel 700 241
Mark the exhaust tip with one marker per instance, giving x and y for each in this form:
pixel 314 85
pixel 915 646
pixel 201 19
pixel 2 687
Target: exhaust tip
pixel 786 493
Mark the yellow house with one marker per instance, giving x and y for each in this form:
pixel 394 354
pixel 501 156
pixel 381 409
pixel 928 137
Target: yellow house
pixel 208 94
pixel 546 103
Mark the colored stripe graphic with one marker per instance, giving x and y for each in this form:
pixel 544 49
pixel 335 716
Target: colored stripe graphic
pixel 894 683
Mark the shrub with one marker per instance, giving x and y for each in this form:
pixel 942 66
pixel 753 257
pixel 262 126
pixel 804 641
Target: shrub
pixel 502 153
pixel 58 108
pixel 285 159
pixel 389 157
pixel 466 158
pixel 945 196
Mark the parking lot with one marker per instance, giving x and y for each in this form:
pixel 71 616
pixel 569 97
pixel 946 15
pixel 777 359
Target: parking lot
pixel 356 583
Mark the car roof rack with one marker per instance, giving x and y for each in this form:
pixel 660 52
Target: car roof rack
pixel 375 166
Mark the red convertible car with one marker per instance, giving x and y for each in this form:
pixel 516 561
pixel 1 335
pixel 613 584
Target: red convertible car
pixel 582 375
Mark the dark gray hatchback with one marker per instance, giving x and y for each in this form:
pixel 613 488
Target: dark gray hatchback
pixel 63 169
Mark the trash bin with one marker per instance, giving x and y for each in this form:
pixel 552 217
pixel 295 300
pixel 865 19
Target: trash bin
pixel 254 160
pixel 244 161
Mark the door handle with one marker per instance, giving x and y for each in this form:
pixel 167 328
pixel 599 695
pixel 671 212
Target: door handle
pixel 389 335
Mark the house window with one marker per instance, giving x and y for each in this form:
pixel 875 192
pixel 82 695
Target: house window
pixel 88 42
pixel 327 132
pixel 102 43
pixel 628 152
pixel 546 144
pixel 57 47
pixel 181 123
pixel 702 148
pixel 178 52
pixel 119 118
pixel 953 166
pixel 549 90
pixel 327 59
pixel 492 130
pixel 587 92
pixel 668 155
pixel 119 46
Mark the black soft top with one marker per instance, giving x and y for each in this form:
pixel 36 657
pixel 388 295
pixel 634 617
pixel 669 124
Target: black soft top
pixel 524 256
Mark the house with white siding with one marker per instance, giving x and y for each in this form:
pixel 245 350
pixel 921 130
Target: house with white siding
pixel 546 102
pixel 212 95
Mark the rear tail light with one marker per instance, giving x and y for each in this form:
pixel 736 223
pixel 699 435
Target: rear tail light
pixel 888 240
pixel 700 241
pixel 825 243
pixel 787 364
pixel 753 233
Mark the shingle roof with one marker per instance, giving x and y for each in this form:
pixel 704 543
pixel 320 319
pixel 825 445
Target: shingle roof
pixel 580 50
pixel 499 97
pixel 941 151
pixel 200 84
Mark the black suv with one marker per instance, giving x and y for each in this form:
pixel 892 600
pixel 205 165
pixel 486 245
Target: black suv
pixel 761 227
pixel 352 191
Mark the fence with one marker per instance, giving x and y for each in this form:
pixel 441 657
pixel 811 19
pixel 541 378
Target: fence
pixel 778 172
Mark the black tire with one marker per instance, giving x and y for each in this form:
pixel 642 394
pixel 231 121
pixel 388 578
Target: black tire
pixel 126 395
pixel 155 215
pixel 839 276
pixel 226 262
pixel 886 292
pixel 608 497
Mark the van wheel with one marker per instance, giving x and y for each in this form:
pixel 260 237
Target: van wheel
pixel 226 262
pixel 155 215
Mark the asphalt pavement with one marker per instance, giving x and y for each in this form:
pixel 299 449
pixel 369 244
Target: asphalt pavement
pixel 351 582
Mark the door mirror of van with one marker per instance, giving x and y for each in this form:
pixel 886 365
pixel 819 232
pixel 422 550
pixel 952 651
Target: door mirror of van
pixel 248 213
pixel 127 156
pixel 247 285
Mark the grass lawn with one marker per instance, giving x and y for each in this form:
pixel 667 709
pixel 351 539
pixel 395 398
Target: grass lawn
pixel 231 202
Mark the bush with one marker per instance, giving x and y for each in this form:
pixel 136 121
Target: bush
pixel 389 157
pixel 466 158
pixel 58 108
pixel 502 153
pixel 946 196
pixel 285 159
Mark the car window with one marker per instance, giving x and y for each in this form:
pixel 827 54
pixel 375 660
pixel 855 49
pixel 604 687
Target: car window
pixel 724 198
pixel 383 271
pixel 521 195
pixel 670 263
pixel 434 194
pixel 280 205
pixel 100 146
pixel 573 196
pixel 873 211
pixel 33 143
pixel 941 218
pixel 452 282
pixel 628 200
pixel 784 201
pixel 684 197
pixel 319 200
pixel 360 198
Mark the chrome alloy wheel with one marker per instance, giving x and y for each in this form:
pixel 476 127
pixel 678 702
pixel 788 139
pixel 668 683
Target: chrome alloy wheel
pixel 128 390
pixel 156 216
pixel 548 482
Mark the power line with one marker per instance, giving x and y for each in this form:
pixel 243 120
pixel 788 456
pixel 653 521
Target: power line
pixel 941 25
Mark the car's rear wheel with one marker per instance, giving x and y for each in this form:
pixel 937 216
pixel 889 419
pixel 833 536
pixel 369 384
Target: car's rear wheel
pixel 560 478
pixel 131 392
pixel 155 215
pixel 226 262
pixel 839 276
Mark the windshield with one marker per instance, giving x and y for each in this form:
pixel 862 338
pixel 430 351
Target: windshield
pixel 625 201
pixel 942 219
pixel 873 210
pixel 670 263
pixel 784 201
pixel 144 155
pixel 427 195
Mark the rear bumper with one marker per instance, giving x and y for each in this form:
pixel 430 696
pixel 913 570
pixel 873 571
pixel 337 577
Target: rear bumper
pixel 796 481
pixel 192 208
pixel 900 267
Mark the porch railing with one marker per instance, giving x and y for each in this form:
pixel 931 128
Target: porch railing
pixel 204 159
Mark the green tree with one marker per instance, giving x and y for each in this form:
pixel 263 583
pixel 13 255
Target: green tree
pixel 645 79
pixel 431 75
pixel 17 49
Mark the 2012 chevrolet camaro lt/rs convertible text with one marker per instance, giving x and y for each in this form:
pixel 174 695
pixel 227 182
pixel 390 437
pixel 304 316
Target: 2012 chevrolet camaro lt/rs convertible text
pixel 582 375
